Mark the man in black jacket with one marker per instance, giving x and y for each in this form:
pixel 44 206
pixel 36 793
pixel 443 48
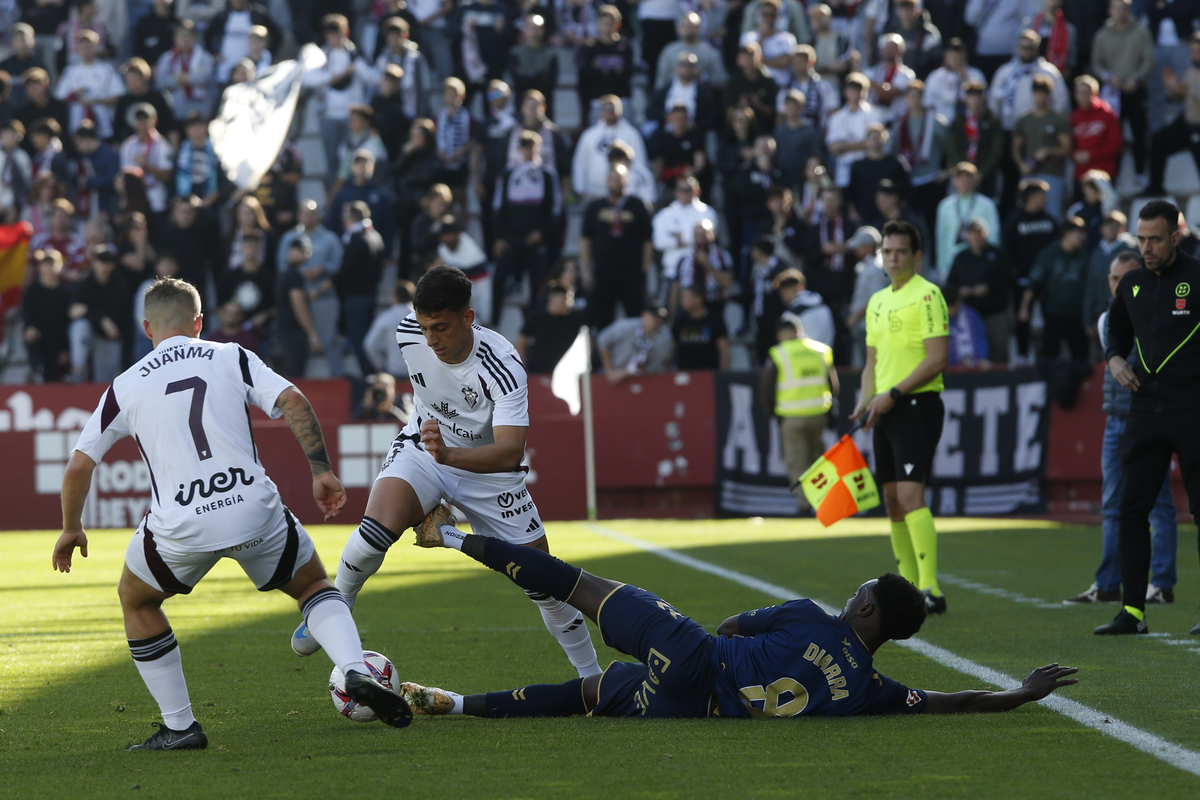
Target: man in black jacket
pixel 1154 316
pixel 982 275
pixel 358 279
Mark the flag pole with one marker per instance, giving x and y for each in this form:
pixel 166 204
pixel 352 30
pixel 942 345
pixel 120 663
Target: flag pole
pixel 589 439
pixel 850 432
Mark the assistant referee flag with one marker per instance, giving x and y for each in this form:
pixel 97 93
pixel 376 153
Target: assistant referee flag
pixel 839 485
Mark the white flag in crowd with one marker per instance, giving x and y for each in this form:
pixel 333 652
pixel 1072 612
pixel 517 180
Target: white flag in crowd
pixel 254 118
pixel 574 364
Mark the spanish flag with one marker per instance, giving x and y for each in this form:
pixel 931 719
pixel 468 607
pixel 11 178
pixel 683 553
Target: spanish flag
pixel 839 485
pixel 14 260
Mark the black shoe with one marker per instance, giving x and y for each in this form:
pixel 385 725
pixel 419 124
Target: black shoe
pixel 387 705
pixel 934 605
pixel 166 739
pixel 1094 594
pixel 1123 623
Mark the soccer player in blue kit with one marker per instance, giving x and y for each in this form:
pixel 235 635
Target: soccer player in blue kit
pixel 780 661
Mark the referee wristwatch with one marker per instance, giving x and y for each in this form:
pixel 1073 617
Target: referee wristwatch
pixel 895 393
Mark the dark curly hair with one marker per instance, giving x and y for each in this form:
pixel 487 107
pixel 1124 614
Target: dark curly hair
pixel 440 289
pixel 901 606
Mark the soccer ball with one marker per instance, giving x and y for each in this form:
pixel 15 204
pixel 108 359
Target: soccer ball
pixel 382 670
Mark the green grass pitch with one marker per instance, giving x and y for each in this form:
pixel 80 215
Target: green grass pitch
pixel 71 699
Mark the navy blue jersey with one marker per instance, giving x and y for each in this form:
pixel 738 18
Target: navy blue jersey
pixel 795 659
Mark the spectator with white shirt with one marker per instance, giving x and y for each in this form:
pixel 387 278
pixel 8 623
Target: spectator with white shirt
pixel 790 17
pixel 674 227
pixel 590 167
pixel 890 77
pixel 944 88
pixel 997 23
pixel 260 51
pixel 846 136
pixel 91 87
pixel 186 71
pixel 777 45
pixel 149 151
pixel 380 343
pixel 228 34
pixel 344 80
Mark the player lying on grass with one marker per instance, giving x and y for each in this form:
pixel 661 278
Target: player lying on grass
pixel 187 405
pixel 464 443
pixel 781 661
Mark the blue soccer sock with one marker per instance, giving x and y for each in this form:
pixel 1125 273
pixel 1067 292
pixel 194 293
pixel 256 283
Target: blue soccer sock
pixel 527 567
pixel 543 700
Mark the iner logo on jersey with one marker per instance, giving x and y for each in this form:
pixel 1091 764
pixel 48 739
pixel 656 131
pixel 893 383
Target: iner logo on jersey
pixel 219 482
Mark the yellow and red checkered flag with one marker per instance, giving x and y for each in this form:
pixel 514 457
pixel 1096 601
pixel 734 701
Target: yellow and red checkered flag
pixel 839 485
pixel 14 260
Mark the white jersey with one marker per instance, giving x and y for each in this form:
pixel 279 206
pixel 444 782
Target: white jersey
pixel 468 399
pixel 186 404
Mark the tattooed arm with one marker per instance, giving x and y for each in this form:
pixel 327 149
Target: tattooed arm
pixel 327 489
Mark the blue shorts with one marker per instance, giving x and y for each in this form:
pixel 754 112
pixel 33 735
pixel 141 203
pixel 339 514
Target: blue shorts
pixel 676 676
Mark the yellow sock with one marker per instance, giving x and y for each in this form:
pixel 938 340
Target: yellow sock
pixel 906 561
pixel 924 545
pixel 1137 612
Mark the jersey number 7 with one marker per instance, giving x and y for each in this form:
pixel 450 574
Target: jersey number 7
pixel 198 388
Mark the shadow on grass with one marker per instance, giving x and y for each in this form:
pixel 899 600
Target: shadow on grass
pixel 273 730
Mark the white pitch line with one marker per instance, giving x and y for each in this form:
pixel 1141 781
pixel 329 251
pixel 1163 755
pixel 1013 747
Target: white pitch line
pixel 1168 752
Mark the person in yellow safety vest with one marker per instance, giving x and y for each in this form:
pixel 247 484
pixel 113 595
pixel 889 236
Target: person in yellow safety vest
pixel 797 386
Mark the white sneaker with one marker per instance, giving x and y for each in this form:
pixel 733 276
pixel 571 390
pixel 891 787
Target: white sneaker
pixel 1157 595
pixel 428 701
pixel 302 643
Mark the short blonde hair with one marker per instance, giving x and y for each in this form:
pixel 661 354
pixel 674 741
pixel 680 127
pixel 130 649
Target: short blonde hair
pixel 172 303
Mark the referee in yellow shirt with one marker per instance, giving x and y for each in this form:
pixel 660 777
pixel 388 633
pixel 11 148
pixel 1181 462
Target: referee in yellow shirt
pixel 908 346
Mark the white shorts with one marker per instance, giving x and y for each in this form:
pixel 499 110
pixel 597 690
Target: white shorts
pixel 496 504
pixel 270 561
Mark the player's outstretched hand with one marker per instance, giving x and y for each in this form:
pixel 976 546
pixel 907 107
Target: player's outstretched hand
pixel 64 548
pixel 329 494
pixel 431 440
pixel 1044 680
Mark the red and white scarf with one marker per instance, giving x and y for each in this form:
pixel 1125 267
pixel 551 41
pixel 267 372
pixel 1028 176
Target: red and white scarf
pixel 916 151
pixel 181 64
pixel 1058 44
pixel 972 129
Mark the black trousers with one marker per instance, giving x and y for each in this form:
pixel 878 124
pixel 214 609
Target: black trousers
pixel 656 35
pixel 512 266
pixel 1133 109
pixel 1064 328
pixel 1167 142
pixel 1149 440
pixel 612 286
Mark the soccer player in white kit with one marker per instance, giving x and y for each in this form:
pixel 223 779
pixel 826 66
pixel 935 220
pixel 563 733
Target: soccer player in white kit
pixel 465 442
pixel 187 405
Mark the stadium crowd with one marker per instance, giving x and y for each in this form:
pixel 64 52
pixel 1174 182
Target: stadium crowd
pixel 732 163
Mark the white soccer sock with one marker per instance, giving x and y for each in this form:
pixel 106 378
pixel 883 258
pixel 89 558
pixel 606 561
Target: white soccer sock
pixel 161 667
pixel 458 702
pixel 452 537
pixel 567 626
pixel 362 557
pixel 330 623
